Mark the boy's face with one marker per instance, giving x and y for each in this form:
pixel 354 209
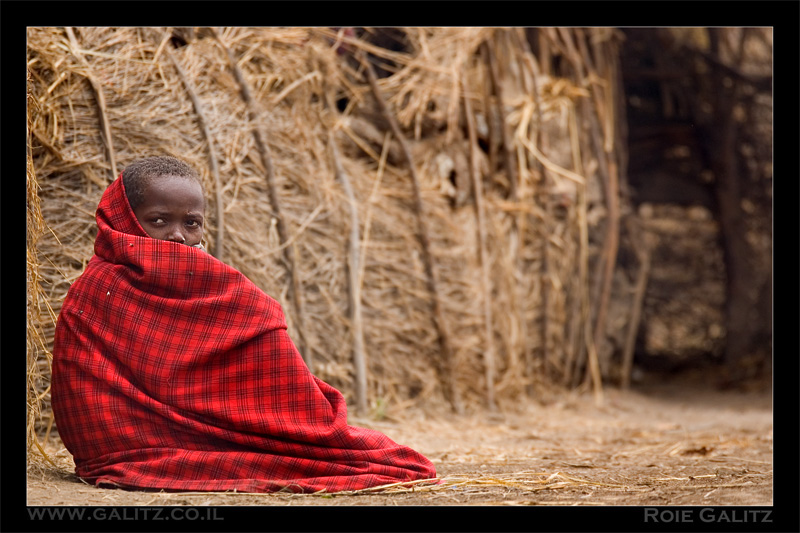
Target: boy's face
pixel 173 210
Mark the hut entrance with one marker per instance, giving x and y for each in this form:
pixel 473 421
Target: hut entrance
pixel 704 198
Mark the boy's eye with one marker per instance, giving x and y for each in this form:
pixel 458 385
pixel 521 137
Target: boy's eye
pixel 158 221
pixel 193 223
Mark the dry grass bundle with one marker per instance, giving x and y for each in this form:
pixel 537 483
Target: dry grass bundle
pixel 36 345
pixel 285 220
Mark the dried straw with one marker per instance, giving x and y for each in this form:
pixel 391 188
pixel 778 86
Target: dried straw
pixel 36 346
pixel 284 216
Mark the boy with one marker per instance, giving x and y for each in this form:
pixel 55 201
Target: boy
pixel 166 196
pixel 172 371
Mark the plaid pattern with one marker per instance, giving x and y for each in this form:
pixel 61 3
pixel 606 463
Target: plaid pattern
pixel 171 370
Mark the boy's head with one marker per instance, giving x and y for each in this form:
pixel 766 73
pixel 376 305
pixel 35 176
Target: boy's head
pixel 166 196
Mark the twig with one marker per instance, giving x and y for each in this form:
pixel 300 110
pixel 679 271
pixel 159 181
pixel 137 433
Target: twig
pixel 508 154
pixel 578 347
pixel 638 299
pixel 266 160
pixel 219 242
pixel 42 452
pixel 726 486
pixel 370 204
pixel 99 98
pixel 549 165
pixel 477 185
pixel 608 170
pixel 604 109
pixel 540 144
pixel 534 129
pixel 297 233
pixel 447 370
pixel 518 222
pixel 49 427
pixel 492 134
pixel 359 356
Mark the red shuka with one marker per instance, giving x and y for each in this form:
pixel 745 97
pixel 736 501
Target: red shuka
pixel 173 371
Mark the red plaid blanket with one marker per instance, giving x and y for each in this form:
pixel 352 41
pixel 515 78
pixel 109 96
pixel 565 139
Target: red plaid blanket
pixel 171 370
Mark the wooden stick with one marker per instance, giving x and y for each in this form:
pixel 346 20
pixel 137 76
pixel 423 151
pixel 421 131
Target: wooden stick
pixel 354 269
pixel 508 152
pixel 643 253
pixel 492 134
pixel 527 56
pixel 583 260
pixel 542 144
pixel 266 159
pixel 219 241
pixel 608 259
pixel 606 113
pixel 359 356
pixel 99 98
pixel 516 237
pixel 446 366
pixel 477 185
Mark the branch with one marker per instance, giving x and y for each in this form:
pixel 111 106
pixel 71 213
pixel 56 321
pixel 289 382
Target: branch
pixel 477 185
pixel 359 356
pixel 447 370
pixel 219 241
pixel 266 160
pixel 101 101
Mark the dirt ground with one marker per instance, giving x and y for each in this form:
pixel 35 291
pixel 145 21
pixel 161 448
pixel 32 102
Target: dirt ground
pixel 676 442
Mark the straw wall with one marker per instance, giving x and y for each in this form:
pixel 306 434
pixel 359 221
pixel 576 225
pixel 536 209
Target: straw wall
pixel 515 128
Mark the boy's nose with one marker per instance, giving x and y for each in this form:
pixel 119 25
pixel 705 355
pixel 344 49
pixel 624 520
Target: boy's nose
pixel 176 236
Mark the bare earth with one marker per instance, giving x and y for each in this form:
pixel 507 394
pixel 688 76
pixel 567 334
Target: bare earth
pixel 680 443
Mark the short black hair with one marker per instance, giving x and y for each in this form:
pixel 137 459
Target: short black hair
pixel 138 175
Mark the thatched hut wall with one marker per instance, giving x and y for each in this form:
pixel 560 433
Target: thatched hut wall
pixel 545 185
